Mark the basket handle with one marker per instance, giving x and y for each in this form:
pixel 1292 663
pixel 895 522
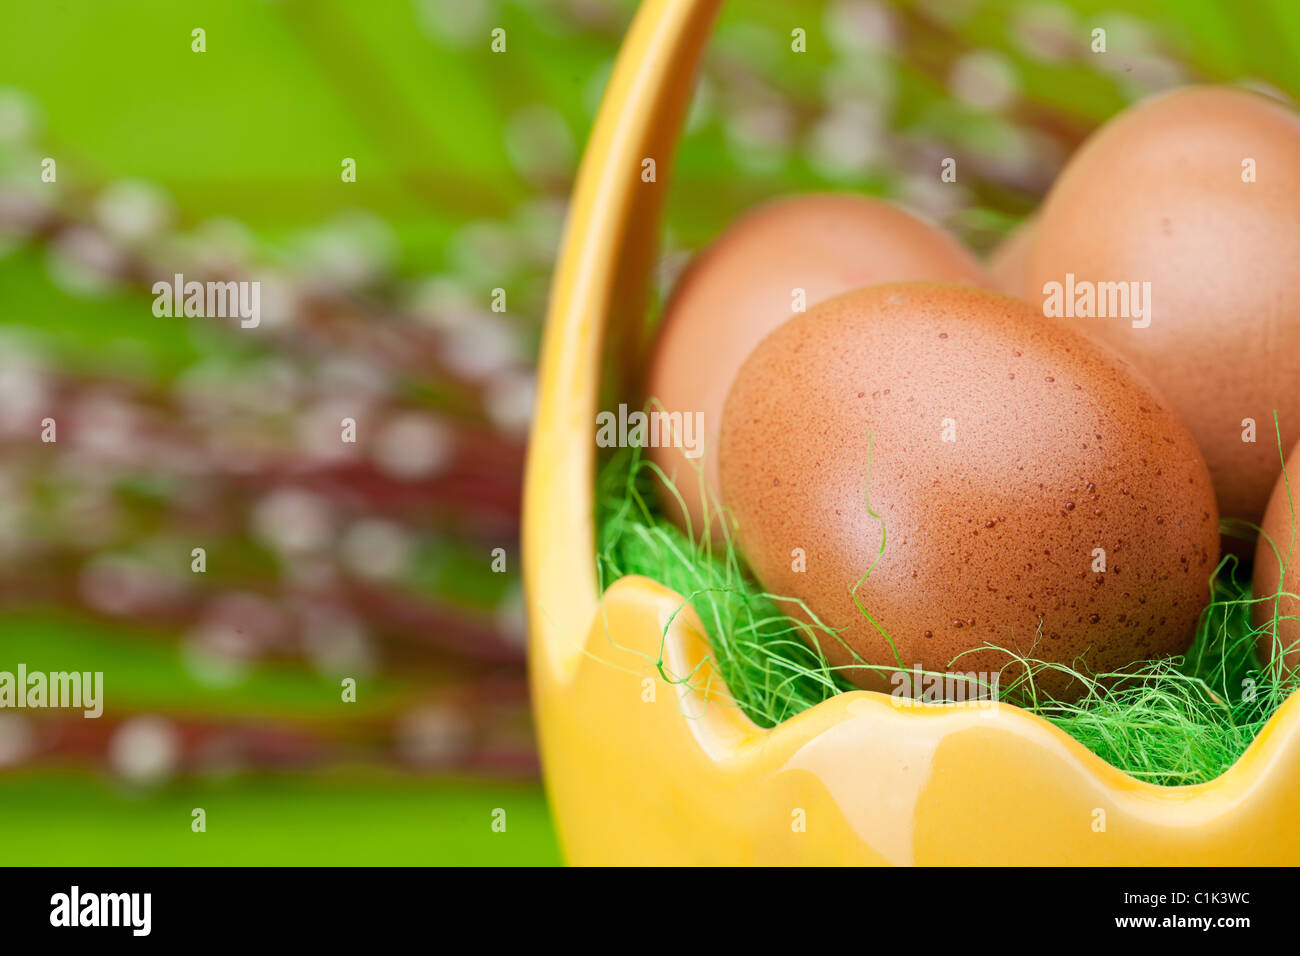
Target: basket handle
pixel 600 286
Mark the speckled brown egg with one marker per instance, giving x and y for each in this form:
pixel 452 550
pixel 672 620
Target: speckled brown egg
pixel 1033 492
pixel 1277 568
pixel 744 285
pixel 1198 193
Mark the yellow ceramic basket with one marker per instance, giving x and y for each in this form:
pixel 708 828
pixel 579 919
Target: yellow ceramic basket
pixel 640 771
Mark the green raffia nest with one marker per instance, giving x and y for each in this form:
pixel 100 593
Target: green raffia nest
pixel 1182 720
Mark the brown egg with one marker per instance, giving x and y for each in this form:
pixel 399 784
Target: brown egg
pixel 1196 192
pixel 1012 462
pixel 1010 260
pixel 744 285
pixel 1277 567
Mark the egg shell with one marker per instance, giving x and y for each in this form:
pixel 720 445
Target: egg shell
pixel 1158 195
pixel 1009 263
pixel 1060 449
pixel 1277 568
pixel 742 287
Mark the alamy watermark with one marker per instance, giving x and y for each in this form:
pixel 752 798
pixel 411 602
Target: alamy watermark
pixel 224 300
pixel 970 688
pixel 1084 299
pixel 62 690
pixel 652 429
pixel 75 908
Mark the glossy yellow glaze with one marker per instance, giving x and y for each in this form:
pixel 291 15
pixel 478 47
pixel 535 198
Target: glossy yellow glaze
pixel 645 759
